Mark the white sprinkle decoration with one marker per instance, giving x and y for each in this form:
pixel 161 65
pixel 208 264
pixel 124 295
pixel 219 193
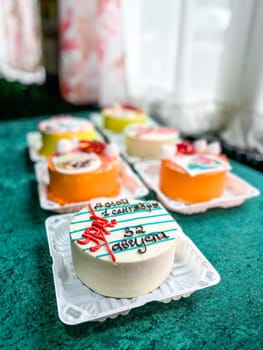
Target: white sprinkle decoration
pixel 75 142
pixel 214 148
pixel 111 150
pixel 167 151
pixel 64 146
pixel 200 145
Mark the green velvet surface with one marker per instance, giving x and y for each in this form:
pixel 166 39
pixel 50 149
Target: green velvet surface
pixel 226 316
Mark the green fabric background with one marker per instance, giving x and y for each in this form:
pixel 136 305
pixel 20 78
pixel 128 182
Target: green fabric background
pixel 226 316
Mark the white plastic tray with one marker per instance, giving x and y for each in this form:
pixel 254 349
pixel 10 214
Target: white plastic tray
pixel 34 144
pixel 135 189
pixel 76 303
pixel 235 193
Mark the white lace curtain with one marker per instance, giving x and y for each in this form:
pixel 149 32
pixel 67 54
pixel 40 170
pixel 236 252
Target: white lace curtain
pixel 200 64
pixel 197 63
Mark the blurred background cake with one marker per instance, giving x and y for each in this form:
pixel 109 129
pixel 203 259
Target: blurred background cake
pixel 117 117
pixel 82 170
pixel 63 126
pixel 193 173
pixel 145 141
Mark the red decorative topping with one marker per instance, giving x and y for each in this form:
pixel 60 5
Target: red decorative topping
pixel 151 130
pixel 97 231
pixel 185 147
pixel 130 107
pixel 92 146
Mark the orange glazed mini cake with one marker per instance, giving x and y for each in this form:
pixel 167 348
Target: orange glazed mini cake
pixel 117 117
pixel 63 126
pixel 82 170
pixel 145 141
pixel 193 173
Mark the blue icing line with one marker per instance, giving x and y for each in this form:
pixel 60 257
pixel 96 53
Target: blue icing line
pixel 121 228
pixel 142 217
pixel 122 251
pixel 120 240
pixel 114 216
pixel 117 207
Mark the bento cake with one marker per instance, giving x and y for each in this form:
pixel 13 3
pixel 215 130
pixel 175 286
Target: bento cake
pixel 145 140
pixel 123 248
pixel 81 170
pixel 63 126
pixel 193 173
pixel 117 117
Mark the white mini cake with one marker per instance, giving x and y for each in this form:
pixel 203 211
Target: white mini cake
pixel 145 141
pixel 123 248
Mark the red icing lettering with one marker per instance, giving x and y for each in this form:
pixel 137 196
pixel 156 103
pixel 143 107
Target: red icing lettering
pixel 97 231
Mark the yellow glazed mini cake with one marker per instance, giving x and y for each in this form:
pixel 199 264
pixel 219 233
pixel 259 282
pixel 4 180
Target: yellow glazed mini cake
pixel 145 141
pixel 117 117
pixel 123 248
pixel 193 173
pixel 63 126
pixel 82 170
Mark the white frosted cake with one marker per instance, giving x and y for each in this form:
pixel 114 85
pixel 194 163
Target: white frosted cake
pixel 145 141
pixel 123 248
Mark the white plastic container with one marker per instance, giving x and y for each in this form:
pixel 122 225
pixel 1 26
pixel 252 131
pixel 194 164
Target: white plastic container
pixel 77 304
pixel 131 187
pixel 235 193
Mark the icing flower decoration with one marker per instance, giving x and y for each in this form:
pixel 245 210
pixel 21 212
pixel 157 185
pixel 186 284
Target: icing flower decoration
pixel 167 151
pixel 200 145
pixel 185 147
pixel 92 146
pixel 129 107
pixel 214 148
pixel 66 146
pixel 111 150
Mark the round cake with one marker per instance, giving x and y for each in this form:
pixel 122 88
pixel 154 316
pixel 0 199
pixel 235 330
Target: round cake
pixel 145 141
pixel 63 126
pixel 117 117
pixel 192 174
pixel 123 248
pixel 82 170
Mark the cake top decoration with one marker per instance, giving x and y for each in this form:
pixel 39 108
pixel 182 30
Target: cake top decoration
pixel 77 156
pixel 65 123
pixel 195 158
pixel 130 227
pixel 65 146
pixel 96 233
pixel 150 132
pixel 122 110
pixel 76 162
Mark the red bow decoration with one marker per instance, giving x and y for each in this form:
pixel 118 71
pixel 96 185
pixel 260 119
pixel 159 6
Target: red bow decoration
pixel 92 146
pixel 185 147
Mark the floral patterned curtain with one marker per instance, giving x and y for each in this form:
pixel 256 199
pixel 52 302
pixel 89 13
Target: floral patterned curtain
pixel 20 41
pixel 91 65
pixel 91 58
